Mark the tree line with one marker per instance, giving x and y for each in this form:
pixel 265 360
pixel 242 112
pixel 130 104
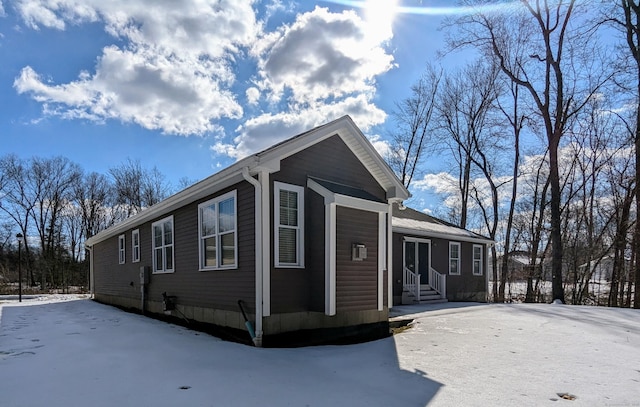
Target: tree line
pixel 56 206
pixel 544 131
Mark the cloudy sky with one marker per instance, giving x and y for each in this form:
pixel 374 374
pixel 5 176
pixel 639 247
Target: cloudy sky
pixel 193 85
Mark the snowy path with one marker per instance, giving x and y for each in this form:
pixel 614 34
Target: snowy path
pixel 72 353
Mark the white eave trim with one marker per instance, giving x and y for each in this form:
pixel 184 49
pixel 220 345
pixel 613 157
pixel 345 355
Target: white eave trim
pixel 347 201
pixel 457 238
pixel 199 190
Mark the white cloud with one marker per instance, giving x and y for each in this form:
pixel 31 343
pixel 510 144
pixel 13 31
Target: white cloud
pixel 253 95
pixel 260 132
pixel 320 67
pixel 173 68
pixel 174 74
pixel 381 145
pixel 321 55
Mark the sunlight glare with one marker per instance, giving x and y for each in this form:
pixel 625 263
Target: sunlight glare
pixel 379 16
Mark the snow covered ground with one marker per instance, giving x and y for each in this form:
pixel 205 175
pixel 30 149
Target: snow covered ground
pixel 66 351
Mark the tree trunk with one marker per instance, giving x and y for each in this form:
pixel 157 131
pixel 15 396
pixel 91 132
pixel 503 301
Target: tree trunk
pixel 556 221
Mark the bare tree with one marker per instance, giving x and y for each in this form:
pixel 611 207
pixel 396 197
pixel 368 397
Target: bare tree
pixel 464 103
pixel 51 181
pixel 515 121
pixel 93 195
pixel 18 200
pixel 136 188
pixel 555 73
pixel 629 24
pixel 413 120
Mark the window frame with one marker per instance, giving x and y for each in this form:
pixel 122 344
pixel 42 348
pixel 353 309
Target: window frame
pixel 277 187
pixel 164 246
pixel 480 260
pixel 122 251
pixel 135 248
pixel 219 252
pixel 457 259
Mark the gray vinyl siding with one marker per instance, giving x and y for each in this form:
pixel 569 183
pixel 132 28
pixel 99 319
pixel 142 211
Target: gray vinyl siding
pixel 356 281
pixel 466 286
pixel 463 287
pixel 316 251
pixel 302 289
pixel 218 289
pixel 330 160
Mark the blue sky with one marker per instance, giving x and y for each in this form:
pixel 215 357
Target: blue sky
pixel 191 86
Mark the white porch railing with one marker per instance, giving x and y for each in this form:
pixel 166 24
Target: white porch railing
pixel 438 282
pixel 412 283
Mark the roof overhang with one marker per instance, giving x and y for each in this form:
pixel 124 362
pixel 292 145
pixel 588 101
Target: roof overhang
pixel 429 233
pixel 269 161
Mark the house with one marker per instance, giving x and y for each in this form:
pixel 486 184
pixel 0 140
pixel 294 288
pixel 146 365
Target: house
pixel 434 260
pixel 519 267
pixel 298 234
pixel 293 243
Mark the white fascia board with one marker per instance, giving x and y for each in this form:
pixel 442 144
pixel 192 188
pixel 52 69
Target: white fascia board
pixel 223 179
pixel 377 166
pixel 351 135
pixel 347 201
pixel 457 238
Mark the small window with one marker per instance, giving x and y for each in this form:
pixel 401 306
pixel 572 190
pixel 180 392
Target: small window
pixel 477 260
pixel 162 232
pixel 121 250
pixel 218 232
pixel 135 246
pixel 454 258
pixel 289 221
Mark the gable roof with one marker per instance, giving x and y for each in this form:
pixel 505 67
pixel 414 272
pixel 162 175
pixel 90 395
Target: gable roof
pixel 409 221
pixel 269 160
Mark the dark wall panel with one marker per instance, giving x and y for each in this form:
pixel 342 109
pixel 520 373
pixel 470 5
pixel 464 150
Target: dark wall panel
pixel 356 281
pixel 220 289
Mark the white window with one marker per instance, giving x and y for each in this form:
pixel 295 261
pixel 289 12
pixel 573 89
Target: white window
pixel 121 251
pixel 217 219
pixel 135 246
pixel 477 260
pixel 162 232
pixel 289 221
pixel 454 258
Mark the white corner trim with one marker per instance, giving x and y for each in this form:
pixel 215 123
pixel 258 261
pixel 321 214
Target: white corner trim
pixel 263 177
pixel 389 260
pixel 381 257
pixel 330 259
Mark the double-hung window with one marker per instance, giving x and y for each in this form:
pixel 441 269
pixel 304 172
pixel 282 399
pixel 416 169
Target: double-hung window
pixel 121 250
pixel 454 258
pixel 289 225
pixel 162 232
pixel 477 260
pixel 135 246
pixel 218 236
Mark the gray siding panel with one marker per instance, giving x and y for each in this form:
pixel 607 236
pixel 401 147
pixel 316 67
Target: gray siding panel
pixel 463 287
pixel 294 290
pixel 316 251
pixel 218 289
pixel 331 160
pixel 356 281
